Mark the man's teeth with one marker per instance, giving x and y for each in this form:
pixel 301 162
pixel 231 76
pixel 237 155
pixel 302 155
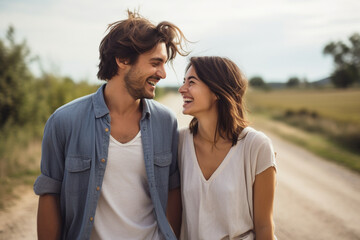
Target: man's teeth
pixel 152 83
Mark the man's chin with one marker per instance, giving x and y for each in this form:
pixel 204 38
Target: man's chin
pixel 149 95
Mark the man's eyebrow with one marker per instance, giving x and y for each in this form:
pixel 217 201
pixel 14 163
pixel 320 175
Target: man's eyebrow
pixel 157 59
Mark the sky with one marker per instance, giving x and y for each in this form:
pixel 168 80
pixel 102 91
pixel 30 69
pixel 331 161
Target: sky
pixel 275 39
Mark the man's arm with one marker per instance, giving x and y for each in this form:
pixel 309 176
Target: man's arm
pixel 174 210
pixel 49 218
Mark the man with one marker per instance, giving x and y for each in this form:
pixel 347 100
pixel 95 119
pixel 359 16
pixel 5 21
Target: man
pixel 108 161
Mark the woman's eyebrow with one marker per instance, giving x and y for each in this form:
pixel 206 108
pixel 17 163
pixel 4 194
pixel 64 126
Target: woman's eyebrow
pixel 191 77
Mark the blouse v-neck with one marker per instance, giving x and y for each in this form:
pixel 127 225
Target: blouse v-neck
pixel 197 165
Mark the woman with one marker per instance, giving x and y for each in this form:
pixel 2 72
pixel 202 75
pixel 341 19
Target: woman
pixel 227 168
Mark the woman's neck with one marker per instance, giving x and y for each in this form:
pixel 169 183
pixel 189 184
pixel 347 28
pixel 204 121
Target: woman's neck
pixel 207 131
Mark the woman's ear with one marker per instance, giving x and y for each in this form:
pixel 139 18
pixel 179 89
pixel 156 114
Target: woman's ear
pixel 215 97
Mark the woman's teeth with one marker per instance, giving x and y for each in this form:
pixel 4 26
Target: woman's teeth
pixel 187 100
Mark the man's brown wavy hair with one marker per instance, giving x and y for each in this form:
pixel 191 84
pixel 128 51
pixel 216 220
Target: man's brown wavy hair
pixel 227 82
pixel 129 38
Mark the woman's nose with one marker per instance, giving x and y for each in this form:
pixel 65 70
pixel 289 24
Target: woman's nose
pixel 182 88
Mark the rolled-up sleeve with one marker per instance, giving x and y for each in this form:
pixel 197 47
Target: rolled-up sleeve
pixel 44 185
pixel 52 159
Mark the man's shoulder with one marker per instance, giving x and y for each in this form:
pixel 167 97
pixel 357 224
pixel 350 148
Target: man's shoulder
pixel 74 108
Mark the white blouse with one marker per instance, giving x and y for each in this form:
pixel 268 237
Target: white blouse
pixel 222 206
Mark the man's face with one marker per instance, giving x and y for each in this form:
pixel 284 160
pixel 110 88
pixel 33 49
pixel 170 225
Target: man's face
pixel 143 76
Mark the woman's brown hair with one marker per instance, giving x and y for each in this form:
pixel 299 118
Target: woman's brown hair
pixel 227 82
pixel 129 38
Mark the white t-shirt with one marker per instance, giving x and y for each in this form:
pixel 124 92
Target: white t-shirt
pixel 125 210
pixel 222 206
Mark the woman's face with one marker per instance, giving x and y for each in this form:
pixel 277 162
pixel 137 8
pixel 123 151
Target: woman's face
pixel 198 98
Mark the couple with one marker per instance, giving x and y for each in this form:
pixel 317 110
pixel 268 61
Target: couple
pixel 110 160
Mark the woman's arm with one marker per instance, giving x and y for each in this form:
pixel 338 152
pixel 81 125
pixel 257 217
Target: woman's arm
pixel 264 191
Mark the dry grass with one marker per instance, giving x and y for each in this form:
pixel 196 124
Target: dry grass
pixel 339 105
pixel 326 122
pixel 20 165
pixel 312 141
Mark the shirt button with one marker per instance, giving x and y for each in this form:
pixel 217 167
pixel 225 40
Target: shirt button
pixel 103 160
pixel 106 129
pixel 91 218
pixel 97 188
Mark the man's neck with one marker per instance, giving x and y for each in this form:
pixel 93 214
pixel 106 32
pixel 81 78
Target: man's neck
pixel 118 99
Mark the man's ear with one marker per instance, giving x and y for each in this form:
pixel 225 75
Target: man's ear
pixel 122 63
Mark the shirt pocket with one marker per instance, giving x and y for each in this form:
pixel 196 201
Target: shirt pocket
pixel 77 174
pixel 162 163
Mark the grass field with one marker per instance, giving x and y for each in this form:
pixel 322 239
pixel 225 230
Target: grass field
pixel 330 118
pixel 339 105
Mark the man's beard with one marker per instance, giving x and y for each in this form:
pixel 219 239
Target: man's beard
pixel 135 84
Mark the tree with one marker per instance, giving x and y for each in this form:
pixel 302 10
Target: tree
pixel 14 79
pixel 257 82
pixel 293 82
pixel 346 60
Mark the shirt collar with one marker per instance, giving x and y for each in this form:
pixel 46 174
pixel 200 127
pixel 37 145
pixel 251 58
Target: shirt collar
pixel 145 109
pixel 101 109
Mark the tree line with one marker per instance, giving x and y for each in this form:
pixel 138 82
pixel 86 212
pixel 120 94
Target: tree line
pixel 24 98
pixel 346 72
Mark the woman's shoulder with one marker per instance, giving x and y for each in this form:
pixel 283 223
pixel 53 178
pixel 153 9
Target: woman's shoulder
pixel 253 136
pixel 183 132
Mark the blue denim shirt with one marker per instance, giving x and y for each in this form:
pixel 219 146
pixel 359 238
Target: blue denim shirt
pixel 74 157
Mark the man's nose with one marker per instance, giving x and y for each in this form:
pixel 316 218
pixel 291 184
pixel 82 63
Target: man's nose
pixel 162 72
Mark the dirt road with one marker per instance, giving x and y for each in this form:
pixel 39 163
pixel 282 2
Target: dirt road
pixel 315 199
